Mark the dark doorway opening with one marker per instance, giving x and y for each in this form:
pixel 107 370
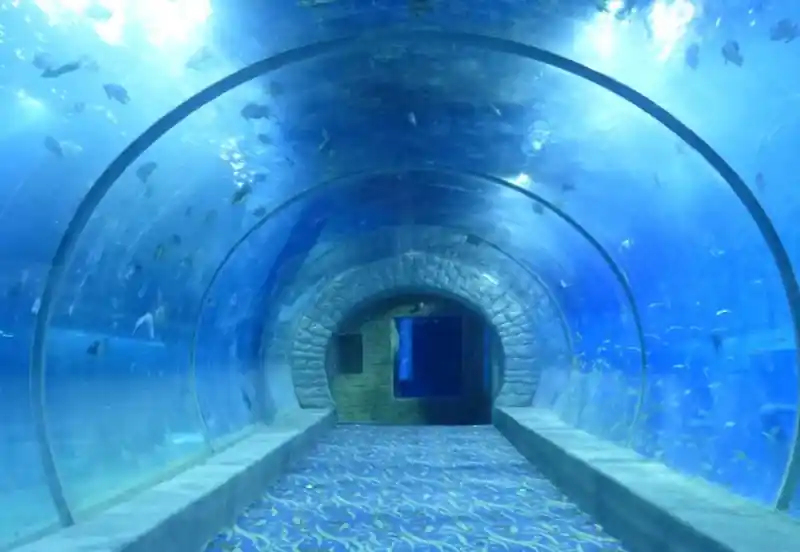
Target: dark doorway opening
pixel 442 362
pixel 350 353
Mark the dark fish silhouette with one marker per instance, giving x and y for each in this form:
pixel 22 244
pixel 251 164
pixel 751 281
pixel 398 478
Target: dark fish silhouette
pixel 241 194
pixel 53 146
pixel 732 53
pixel 116 92
pixel 55 72
pixel 692 56
pixel 246 400
pixel 785 31
pixel 716 342
pixel 254 111
pixel 96 348
pixel 145 171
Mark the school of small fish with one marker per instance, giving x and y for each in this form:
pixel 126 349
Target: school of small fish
pixel 146 173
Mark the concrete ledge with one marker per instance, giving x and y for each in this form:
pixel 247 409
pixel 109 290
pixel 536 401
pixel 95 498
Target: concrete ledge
pixel 648 506
pixel 184 513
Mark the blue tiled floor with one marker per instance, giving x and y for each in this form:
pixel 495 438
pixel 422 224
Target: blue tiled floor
pixel 379 488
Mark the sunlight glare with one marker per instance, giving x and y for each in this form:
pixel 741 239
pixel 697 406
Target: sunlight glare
pixel 522 180
pixel 669 22
pixel 28 102
pixel 164 23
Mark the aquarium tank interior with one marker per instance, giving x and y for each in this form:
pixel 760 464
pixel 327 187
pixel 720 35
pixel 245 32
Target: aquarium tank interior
pixel 409 212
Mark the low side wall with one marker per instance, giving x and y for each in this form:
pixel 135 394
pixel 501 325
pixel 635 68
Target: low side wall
pixel 648 506
pixel 184 513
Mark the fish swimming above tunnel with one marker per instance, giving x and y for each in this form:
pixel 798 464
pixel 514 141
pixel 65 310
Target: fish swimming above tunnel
pixel 145 171
pixel 53 146
pixel 116 92
pixel 731 53
pixel 777 421
pixel 255 111
pixel 784 31
pixel 692 56
pixel 55 72
pixel 97 347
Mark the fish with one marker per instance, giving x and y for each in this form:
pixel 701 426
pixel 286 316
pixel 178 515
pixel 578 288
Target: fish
pixel 145 171
pixel 260 212
pixel 53 146
pixel 241 194
pixel 246 400
pixel 147 321
pixel 264 139
pixel 96 348
pixel 325 142
pixel 692 56
pixel 133 269
pixel 254 111
pixel 42 61
pixel 116 92
pixel 159 252
pixel 716 342
pixel 785 31
pixel 732 53
pixel 777 420
pixel 276 89
pixel 176 239
pixel 761 182
pixel 14 290
pixel 55 72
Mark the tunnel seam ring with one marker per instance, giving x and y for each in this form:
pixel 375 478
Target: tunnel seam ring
pixel 134 150
pixel 351 179
pixel 414 270
pixel 318 271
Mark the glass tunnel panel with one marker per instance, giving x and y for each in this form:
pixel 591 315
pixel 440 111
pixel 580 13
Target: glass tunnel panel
pixel 601 390
pixel 24 496
pixel 121 406
pixel 226 356
pixel 120 402
pixel 357 221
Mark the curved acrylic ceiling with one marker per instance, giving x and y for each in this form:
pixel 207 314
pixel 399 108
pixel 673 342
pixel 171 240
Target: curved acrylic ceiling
pixel 366 216
pixel 390 101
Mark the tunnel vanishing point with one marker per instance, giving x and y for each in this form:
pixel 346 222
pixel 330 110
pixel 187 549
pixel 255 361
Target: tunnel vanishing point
pixel 309 291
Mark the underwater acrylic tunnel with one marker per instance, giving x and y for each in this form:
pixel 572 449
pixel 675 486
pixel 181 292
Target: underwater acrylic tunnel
pixel 211 446
pixel 340 185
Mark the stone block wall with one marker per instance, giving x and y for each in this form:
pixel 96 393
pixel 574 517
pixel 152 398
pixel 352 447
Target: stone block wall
pixel 434 262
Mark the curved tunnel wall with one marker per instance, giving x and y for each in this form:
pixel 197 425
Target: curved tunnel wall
pixel 433 261
pixel 783 261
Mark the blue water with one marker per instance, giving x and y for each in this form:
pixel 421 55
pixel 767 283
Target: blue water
pixel 367 139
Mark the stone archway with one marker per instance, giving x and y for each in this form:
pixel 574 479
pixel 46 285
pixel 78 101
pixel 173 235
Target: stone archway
pixel 511 314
